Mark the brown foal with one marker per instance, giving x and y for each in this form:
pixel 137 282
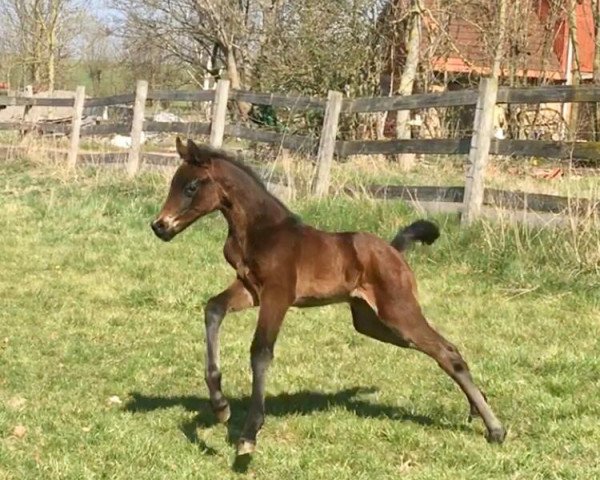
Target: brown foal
pixel 280 263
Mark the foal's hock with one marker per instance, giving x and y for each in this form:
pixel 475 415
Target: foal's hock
pixel 280 262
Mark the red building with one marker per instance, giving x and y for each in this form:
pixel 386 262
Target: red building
pixel 545 50
pixel 585 38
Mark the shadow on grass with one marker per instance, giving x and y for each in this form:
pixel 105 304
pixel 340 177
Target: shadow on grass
pixel 299 403
pixel 284 404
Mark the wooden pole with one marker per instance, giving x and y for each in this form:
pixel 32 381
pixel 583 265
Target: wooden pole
pixel 137 126
pixel 480 149
pixel 76 125
pixel 219 114
pixel 327 143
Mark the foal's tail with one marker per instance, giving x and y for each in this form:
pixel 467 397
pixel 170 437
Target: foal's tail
pixel 422 231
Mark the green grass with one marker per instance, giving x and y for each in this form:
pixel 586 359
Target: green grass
pixel 93 306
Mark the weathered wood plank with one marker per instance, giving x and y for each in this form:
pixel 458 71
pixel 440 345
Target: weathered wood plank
pixel 548 149
pixel 37 101
pixel 106 129
pixel 10 126
pixel 288 101
pixel 552 93
pixel 491 197
pixel 327 143
pixel 198 128
pixel 390 147
pixel 137 124
pixel 160 159
pixel 183 96
pixel 480 149
pixel 219 114
pixel 106 158
pixel 408 192
pixel 112 100
pixel 526 148
pixel 292 142
pixel 539 202
pixel 76 126
pixel 421 100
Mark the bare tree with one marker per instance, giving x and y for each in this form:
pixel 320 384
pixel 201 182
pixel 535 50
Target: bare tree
pixel 38 33
pixel 220 35
pixel 98 51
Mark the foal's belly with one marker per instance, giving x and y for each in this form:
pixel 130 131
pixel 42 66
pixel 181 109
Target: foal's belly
pixel 327 270
pixel 305 302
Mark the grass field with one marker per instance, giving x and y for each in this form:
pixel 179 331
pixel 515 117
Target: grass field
pixel 101 348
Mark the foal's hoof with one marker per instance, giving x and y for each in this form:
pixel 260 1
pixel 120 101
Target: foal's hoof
pixel 223 414
pixel 496 435
pixel 245 447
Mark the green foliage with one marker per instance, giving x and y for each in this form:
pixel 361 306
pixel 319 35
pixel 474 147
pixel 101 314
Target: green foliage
pixel 317 46
pixel 93 306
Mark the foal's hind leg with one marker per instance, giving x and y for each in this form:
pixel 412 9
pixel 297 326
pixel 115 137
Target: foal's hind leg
pixel 408 323
pixel 366 321
pixel 235 298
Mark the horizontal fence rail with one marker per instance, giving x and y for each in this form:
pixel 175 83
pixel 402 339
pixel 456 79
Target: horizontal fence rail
pixel 36 101
pixel 124 98
pixel 510 95
pixel 286 101
pixel 436 146
pixel 535 202
pixel 182 96
pixel 325 144
pixel 410 102
pixel 292 142
pixel 198 128
pixel 549 94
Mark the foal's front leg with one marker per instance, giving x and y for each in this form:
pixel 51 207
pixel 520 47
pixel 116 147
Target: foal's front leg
pixel 273 306
pixel 235 298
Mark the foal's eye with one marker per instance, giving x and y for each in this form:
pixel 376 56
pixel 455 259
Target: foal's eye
pixel 191 188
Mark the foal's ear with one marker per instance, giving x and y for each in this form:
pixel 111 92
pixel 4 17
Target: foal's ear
pixel 199 155
pixel 182 150
pixel 194 154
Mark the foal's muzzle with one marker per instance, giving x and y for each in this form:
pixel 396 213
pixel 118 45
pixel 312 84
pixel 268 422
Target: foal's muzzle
pixel 161 230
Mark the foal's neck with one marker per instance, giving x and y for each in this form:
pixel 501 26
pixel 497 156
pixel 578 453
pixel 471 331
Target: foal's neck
pixel 249 208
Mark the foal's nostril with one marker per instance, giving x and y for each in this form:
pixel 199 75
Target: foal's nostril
pixel 158 227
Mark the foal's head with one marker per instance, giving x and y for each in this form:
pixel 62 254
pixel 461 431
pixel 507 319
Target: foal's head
pixel 193 193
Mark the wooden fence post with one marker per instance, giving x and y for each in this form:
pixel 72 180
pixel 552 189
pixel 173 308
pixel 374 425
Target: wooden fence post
pixel 327 143
pixel 137 126
pixel 219 114
pixel 76 125
pixel 480 149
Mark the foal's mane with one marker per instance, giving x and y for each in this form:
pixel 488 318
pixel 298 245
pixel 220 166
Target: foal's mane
pixel 205 153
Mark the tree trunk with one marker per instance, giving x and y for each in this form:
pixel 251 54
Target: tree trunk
pixel 37 40
pixel 576 70
pixel 236 82
pixel 500 47
pixel 407 80
pixel 51 59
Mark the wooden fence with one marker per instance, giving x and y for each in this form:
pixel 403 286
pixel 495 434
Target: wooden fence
pixel 478 147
